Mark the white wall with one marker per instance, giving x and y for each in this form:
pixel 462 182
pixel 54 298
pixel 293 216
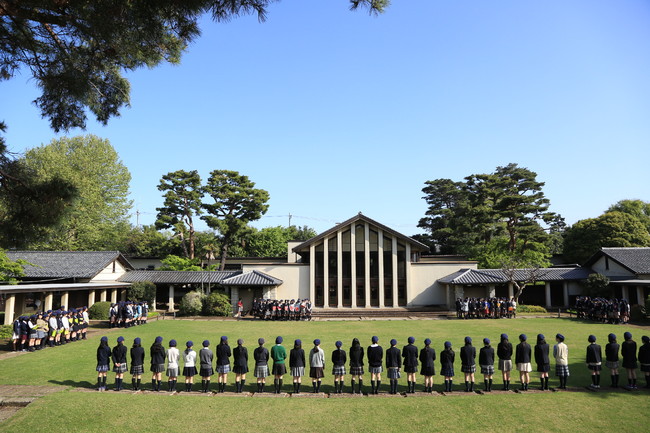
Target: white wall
pixel 425 290
pixel 107 273
pixel 295 279
pixel 615 270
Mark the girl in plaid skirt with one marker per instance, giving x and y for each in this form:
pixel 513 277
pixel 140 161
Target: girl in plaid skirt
pixel 119 363
pixel 356 364
pixel 297 365
pixel 172 365
pixel 447 358
pixel 611 358
pixel 316 365
pixel 338 370
pixel 137 363
pixel 103 359
pixel 393 362
pixel 261 356
pixel 240 365
pixel 486 361
pixel 223 362
pixel 206 371
pixel 468 363
pixel 410 355
pixel 427 369
pixel 561 355
pixel 542 360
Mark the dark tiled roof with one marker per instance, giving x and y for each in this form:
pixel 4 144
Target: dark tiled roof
pixel 497 276
pixel 635 259
pixel 178 277
pixel 361 217
pixel 254 278
pixel 66 264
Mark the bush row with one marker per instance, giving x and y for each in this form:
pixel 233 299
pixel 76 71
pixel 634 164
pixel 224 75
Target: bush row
pixel 531 309
pixel 196 303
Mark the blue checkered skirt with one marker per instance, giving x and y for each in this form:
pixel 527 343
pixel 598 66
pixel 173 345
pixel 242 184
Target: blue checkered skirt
pixel 447 372
pixel 375 370
pixel 561 370
pixel 468 368
pixel 223 369
pixel 356 371
pixel 338 370
pixel 122 368
pixel 487 370
pixel 394 373
pixel 137 369
pixel 102 368
pixel 157 368
pixel 261 371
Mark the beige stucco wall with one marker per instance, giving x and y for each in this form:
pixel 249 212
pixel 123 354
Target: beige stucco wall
pixel 615 270
pixel 107 273
pixel 295 279
pixel 425 290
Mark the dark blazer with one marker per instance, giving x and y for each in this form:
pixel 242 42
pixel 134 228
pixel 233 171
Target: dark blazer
pixel 223 354
pixel 356 357
pixel 240 356
pixel 410 355
pixel 628 352
pixel 541 354
pixel 119 354
pixel 447 358
pixel 137 355
pixel 393 357
pixel 339 357
pixel 375 356
pixel 468 355
pixel 611 351
pixel 261 355
pixel 297 358
pixel 522 353
pixel 486 355
pixel 103 355
pixel 157 354
pixel 594 354
pixel 427 357
pixel 504 350
pixel 644 354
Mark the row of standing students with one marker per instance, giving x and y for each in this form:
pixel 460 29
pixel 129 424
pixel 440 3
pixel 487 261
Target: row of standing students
pixel 409 358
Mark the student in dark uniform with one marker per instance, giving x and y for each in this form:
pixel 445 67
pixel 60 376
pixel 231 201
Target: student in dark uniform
pixel 410 355
pixel 644 359
pixel 119 363
pixel 447 357
pixel 206 371
pixel 486 361
pixel 103 360
pixel 628 352
pixel 594 361
pixel 157 354
pixel 339 359
pixel 356 365
pixel 137 363
pixel 375 354
pixel 611 358
pixel 297 365
pixel 504 352
pixel 223 362
pixel 393 363
pixel 542 360
pixel 468 363
pixel 427 365
pixel 261 357
pixel 240 365
pixel 523 353
pixel 278 354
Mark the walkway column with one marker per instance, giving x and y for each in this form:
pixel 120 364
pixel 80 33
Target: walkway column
pixel 91 298
pixel 409 284
pixel 491 291
pixel 170 303
pixel 102 295
pixel 326 270
pixel 366 263
pixel 114 296
pixel 547 294
pixel 339 269
pixel 353 264
pixel 380 254
pixel 394 258
pixel 459 291
pixel 234 298
pixel 511 292
pixel 123 295
pixel 312 274
pixel 565 293
pixel 640 299
pixel 64 300
pixel 49 300
pixel 448 295
pixel 10 305
pixel 625 293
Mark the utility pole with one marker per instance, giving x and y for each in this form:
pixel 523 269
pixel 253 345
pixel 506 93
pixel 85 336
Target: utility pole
pixel 290 219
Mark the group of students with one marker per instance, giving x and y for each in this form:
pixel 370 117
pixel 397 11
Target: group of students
pixel 605 310
pixel 283 309
pixel 486 308
pixel 126 314
pixel 409 357
pixel 49 328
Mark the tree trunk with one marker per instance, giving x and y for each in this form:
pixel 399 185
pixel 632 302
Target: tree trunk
pixel 224 255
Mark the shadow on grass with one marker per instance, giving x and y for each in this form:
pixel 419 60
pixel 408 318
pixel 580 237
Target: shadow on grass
pixel 72 383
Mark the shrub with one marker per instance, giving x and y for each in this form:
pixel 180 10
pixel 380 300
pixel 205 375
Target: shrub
pixel 6 331
pixel 531 309
pixel 192 304
pixel 99 311
pixel 217 304
pixel 637 313
pixel 143 291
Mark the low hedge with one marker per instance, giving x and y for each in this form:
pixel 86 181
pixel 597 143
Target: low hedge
pixel 531 309
pixel 99 311
pixel 6 331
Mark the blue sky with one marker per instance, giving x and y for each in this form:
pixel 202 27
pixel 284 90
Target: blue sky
pixel 335 112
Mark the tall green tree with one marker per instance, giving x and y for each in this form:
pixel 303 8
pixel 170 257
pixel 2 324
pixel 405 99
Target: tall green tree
pixel 236 203
pixel 611 229
pixel 77 51
pixel 272 241
pixel 637 208
pixel 183 194
pixel 98 216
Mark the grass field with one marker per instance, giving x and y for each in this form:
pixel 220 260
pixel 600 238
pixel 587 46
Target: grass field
pixel 72 367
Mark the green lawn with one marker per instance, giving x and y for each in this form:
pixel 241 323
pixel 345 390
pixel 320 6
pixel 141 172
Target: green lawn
pixel 73 366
